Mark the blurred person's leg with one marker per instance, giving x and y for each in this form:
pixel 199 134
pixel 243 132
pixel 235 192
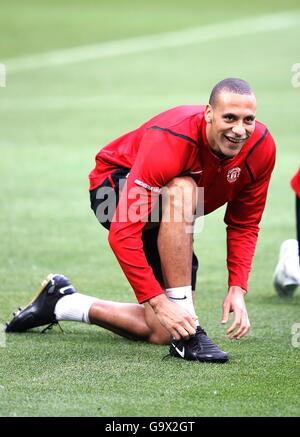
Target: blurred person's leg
pixel 287 273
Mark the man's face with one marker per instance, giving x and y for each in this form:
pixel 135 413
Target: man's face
pixel 230 122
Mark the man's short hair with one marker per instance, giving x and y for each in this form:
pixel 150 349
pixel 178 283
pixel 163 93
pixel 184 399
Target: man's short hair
pixel 232 85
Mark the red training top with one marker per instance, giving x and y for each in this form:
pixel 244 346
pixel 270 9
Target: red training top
pixel 295 183
pixel 174 143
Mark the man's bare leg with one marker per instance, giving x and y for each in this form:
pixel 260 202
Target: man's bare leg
pixel 134 321
pixel 175 241
pixel 175 238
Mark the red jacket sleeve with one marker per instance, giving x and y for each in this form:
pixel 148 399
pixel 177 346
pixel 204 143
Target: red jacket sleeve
pixel 160 158
pixel 244 213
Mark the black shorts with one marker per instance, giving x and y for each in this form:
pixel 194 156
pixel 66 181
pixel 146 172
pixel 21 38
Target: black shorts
pixel 115 182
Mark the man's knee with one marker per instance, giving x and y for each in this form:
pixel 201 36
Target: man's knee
pixel 180 199
pixel 182 182
pixel 157 333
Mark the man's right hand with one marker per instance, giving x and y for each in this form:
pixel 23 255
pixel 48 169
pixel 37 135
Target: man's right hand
pixel 179 323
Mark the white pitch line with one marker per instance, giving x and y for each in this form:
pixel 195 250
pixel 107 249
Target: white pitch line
pixel 180 38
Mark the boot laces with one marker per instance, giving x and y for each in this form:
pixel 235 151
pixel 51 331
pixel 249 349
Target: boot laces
pixel 50 326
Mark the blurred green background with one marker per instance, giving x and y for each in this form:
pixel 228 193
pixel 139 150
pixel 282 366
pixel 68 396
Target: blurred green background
pixel 56 111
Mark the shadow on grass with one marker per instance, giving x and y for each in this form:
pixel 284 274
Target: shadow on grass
pixel 79 338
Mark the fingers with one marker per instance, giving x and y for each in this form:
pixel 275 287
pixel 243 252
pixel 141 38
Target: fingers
pixel 240 326
pixel 190 325
pixel 187 328
pixel 185 324
pixel 226 308
pixel 174 333
pixel 182 333
pixel 179 323
pixel 242 331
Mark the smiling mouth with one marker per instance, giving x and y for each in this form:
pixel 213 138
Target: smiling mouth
pixel 235 140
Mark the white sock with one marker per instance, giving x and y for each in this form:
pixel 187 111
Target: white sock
pixel 183 297
pixel 74 307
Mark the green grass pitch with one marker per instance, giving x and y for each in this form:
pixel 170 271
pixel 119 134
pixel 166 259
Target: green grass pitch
pixel 53 120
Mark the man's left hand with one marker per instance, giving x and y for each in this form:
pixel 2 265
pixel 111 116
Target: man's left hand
pixel 234 303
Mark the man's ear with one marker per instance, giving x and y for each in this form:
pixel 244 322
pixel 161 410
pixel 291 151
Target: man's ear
pixel 208 113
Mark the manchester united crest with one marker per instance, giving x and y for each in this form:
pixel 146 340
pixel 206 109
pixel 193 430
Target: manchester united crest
pixel 233 174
